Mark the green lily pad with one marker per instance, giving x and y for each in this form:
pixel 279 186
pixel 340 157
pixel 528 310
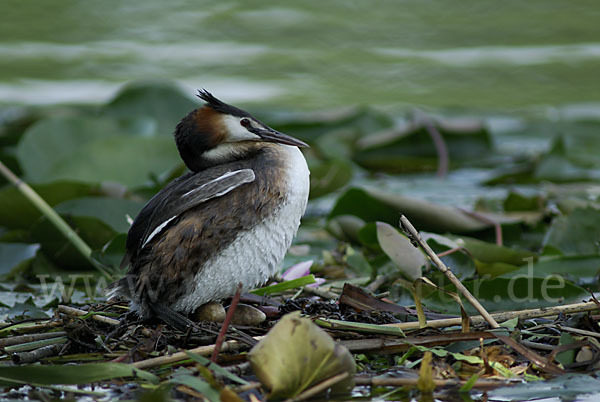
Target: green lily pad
pixel 575 234
pixel 504 294
pixel 460 262
pixel 329 176
pixel 373 205
pixel 579 269
pixel 410 148
pixel 17 212
pixel 161 102
pixel 92 151
pixel 111 211
pixel 66 374
pixel 12 254
pixel 60 251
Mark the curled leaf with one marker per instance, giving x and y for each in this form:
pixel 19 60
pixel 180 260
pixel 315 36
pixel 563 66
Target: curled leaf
pixel 401 251
pixel 296 354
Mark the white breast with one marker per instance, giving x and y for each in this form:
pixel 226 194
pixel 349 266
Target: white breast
pixel 255 255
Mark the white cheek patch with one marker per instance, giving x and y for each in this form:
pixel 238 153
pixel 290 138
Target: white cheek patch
pixel 237 132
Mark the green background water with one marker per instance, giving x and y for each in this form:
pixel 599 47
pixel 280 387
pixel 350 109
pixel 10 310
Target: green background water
pixel 476 55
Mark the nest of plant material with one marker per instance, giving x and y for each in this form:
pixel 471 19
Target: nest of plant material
pixel 126 356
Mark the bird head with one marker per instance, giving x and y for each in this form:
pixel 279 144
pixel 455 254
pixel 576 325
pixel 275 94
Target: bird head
pixel 218 132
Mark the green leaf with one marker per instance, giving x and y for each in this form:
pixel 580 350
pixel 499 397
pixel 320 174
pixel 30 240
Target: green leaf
pixel 358 326
pixel 568 356
pixel 519 202
pixel 65 374
pixel 112 253
pixel 16 212
pixel 216 368
pixel 489 252
pixel 461 262
pixel 283 286
pixel 356 261
pixel 580 269
pixel 56 247
pixel 408 258
pixel 93 151
pixel 346 227
pixel 410 149
pixel 297 354
pixel 161 102
pixel 111 211
pixel 467 386
pixel 504 294
pixel 26 309
pixel 197 384
pixel 329 176
pixel 12 254
pixel 558 166
pixel 374 205
pixel 577 233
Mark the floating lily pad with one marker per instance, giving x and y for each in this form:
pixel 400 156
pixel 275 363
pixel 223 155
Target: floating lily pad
pixel 17 212
pixel 329 176
pixel 579 269
pixel 577 233
pixel 411 148
pixel 92 151
pixel 373 205
pixel 12 254
pixel 112 211
pixel 161 102
pixel 504 294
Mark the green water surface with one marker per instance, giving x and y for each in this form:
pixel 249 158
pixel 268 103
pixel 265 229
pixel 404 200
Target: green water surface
pixel 307 55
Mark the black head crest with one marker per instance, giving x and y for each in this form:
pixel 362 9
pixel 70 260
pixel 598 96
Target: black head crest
pixel 219 105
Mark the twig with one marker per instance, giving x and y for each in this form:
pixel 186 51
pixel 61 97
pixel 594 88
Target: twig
pixel 228 346
pixel 509 315
pixel 23 347
pixel 36 355
pixel 225 325
pixel 325 294
pixel 413 234
pixel 320 387
pixel 247 387
pixel 23 328
pixel 537 345
pixel 398 345
pixel 77 312
pixel 52 216
pixel 17 340
pixel 376 284
pixel 543 363
pixel 578 331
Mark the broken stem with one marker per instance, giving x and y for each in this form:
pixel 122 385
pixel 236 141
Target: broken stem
pixel 413 234
pixel 53 217
pixel 228 317
pixel 505 316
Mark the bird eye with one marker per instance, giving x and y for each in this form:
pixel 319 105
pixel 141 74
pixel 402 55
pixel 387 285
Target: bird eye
pixel 245 122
